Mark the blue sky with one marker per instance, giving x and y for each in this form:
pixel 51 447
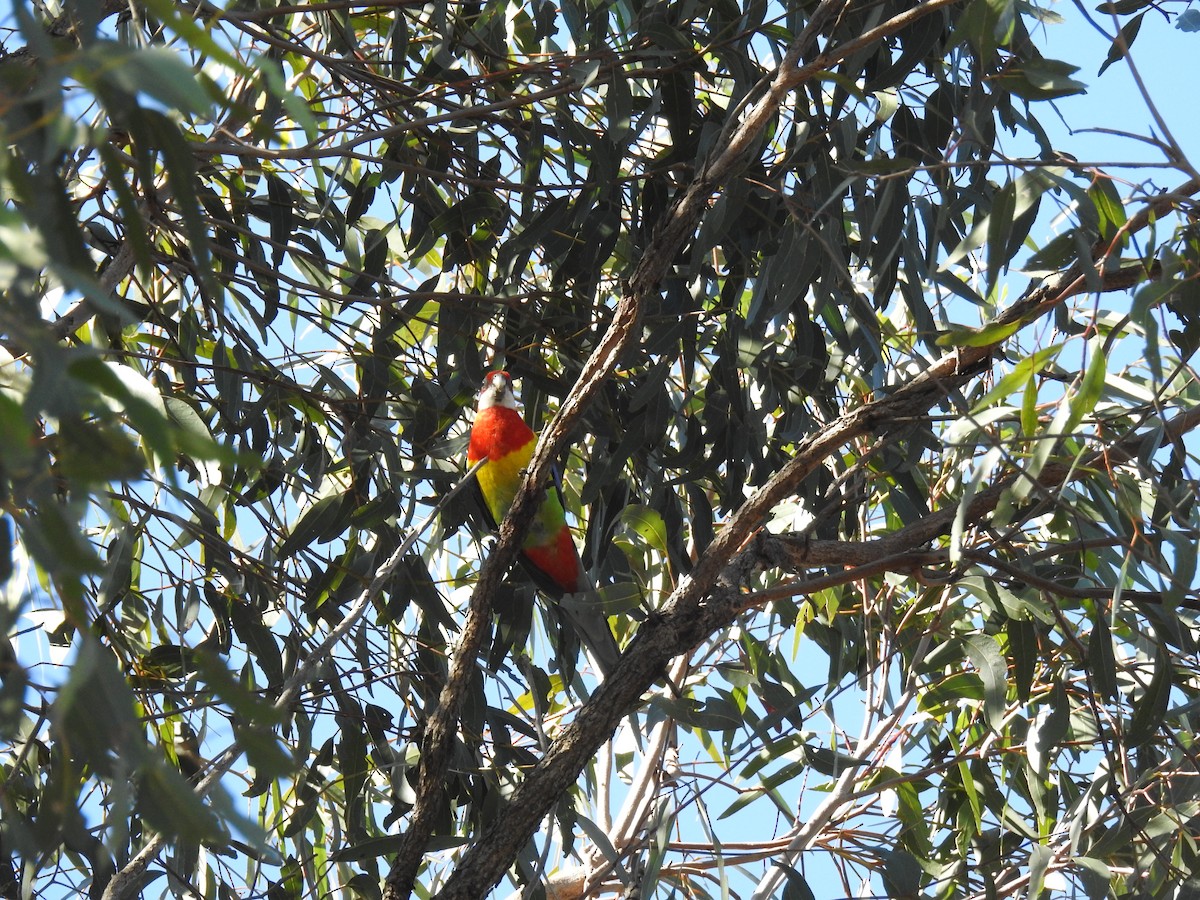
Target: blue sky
pixel 1161 53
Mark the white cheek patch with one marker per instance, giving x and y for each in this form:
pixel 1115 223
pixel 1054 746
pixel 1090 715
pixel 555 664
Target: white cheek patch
pixel 497 391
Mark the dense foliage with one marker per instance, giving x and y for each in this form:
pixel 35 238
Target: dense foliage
pixel 902 550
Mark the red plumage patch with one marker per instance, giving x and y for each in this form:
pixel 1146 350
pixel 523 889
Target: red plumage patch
pixel 497 432
pixel 559 561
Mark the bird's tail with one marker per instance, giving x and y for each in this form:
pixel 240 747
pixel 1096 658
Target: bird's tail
pixel 586 615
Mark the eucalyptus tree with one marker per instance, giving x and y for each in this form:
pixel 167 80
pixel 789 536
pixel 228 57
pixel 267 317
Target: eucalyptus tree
pixel 872 399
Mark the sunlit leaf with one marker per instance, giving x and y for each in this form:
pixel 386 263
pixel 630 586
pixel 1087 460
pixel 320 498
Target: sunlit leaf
pixel 255 261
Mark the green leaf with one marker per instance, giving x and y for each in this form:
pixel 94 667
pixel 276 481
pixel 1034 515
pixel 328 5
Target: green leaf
pixel 1016 202
pixel 621 597
pixel 795 887
pixel 295 105
pixel 986 656
pixel 136 397
pixel 167 661
pixel 196 36
pixel 999 225
pixel 14 686
pixel 1102 662
pixel 1071 411
pixel 281 215
pixel 94 713
pixel 1054 256
pixel 1023 649
pixel 193 438
pixel 257 638
pixel 714 714
pixel 648 524
pixel 1183 571
pixel 263 751
pixel 1043 79
pixel 1096 876
pixel 1021 376
pixel 137 232
pixel 971 791
pixel 942 697
pixel 1150 708
pixel 987 24
pixel 374 848
pixel 1110 211
pixel 747 797
pixel 1122 42
pixel 831 763
pixel 1040 857
pixel 180 167
pixel 16 437
pixel 776 750
pixel 171 807
pixel 156 71
pixel 1048 733
pixel 320 523
pixel 1029 404
pixel 1189 20
pixel 1083 401
pixel 902 873
pixel 599 837
pixel 978 337
pixel 18 243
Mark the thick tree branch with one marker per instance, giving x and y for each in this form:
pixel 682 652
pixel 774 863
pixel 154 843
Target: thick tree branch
pixel 679 628
pixel 443 723
pixel 679 223
pixel 709 597
pixel 577 883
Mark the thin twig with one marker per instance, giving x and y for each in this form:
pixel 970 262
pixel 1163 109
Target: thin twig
pixel 127 882
pixel 709 597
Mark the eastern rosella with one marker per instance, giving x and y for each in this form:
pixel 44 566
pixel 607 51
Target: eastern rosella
pixel 501 435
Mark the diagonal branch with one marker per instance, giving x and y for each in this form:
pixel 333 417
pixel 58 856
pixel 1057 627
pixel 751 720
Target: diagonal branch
pixel 679 628
pixel 670 236
pixel 905 550
pixel 129 880
pixel 443 722
pixel 840 794
pixel 709 597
